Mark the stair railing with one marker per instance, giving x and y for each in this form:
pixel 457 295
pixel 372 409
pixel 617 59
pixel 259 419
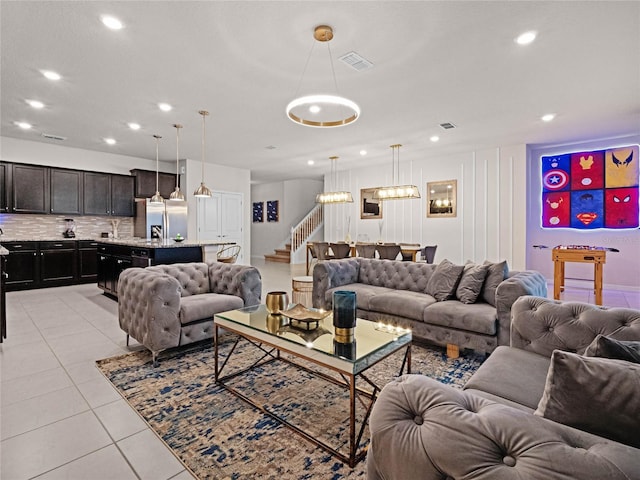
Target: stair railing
pixel 306 227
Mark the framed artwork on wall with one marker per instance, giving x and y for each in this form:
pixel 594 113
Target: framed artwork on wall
pixel 442 199
pixel 272 210
pixel 258 212
pixel 370 207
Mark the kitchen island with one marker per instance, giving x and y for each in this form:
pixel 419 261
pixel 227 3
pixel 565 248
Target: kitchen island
pixel 115 255
pixel 3 300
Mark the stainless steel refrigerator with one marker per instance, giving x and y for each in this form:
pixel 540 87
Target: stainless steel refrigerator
pixel 160 220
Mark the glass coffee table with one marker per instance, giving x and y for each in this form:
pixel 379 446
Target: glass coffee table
pixel 315 344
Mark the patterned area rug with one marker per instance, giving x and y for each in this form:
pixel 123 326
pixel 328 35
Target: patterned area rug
pixel 218 436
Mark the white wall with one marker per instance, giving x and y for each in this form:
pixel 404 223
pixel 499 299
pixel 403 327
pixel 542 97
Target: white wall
pixel 38 153
pixel 491 206
pixel 621 271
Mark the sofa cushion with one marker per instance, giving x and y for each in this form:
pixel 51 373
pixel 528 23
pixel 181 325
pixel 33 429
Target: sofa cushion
pixel 444 280
pixel 402 303
pixel 606 347
pixel 206 305
pixel 471 282
pixel 598 395
pixel 514 374
pixel 192 277
pixel 496 273
pixel 364 293
pixel 477 318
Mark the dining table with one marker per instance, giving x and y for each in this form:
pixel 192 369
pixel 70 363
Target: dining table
pixel 406 251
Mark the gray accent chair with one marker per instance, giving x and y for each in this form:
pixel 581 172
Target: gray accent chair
pixel 423 429
pixel 167 306
pixel 394 292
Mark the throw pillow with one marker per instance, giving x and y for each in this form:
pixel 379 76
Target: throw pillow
pixel 444 280
pixel 597 395
pixel 496 273
pixel 606 347
pixel 471 282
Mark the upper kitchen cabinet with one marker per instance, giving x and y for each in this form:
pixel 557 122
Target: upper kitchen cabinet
pixel 66 191
pixel 5 187
pixel 146 183
pixel 30 189
pixel 107 194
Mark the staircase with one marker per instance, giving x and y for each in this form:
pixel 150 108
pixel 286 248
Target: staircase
pixel 282 255
pixel 299 236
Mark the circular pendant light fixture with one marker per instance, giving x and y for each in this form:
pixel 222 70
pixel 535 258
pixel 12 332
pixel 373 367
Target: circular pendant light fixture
pixel 177 195
pixel 322 110
pixel 157 198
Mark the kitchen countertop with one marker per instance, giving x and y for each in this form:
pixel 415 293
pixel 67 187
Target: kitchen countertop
pixel 169 243
pixel 3 251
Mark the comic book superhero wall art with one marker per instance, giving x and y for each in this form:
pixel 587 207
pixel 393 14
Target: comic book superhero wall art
pixel 589 190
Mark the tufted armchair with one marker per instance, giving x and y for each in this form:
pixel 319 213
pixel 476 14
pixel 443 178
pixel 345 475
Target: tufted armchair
pixel 172 305
pixel 422 429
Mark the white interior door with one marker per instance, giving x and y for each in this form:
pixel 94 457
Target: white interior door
pixel 220 219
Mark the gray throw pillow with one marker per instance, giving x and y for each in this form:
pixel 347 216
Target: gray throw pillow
pixel 597 395
pixel 496 274
pixel 444 280
pixel 606 347
pixel 471 282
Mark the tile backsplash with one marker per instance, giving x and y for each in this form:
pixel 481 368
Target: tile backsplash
pixel 37 227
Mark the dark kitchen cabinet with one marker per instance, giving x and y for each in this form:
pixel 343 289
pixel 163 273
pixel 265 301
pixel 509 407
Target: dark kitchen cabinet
pixel 112 260
pixel 30 189
pixel 66 191
pixel 58 263
pixel 107 194
pixel 5 187
pixel 87 261
pixel 22 265
pixel 146 183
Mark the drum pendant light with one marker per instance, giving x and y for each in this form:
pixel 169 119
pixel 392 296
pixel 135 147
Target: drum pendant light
pixel 157 198
pixel 202 191
pixel 177 195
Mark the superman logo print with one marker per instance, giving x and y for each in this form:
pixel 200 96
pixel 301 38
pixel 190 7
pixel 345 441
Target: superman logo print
pixel 588 190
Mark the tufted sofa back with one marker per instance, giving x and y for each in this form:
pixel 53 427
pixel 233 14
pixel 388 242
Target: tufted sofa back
pixel 412 276
pixel 193 277
pixel 541 325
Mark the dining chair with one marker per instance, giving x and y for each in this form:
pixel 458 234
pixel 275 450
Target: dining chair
pixel 408 256
pixel 388 252
pixel 321 251
pixel 340 250
pixel 429 253
pixel 366 250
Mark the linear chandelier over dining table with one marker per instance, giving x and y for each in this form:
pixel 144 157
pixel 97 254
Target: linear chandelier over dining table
pixel 395 191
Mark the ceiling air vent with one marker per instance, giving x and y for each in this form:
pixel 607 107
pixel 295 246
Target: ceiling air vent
pixel 53 137
pixel 356 62
pixel 447 125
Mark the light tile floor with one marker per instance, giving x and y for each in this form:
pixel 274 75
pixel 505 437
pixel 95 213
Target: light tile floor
pixel 59 417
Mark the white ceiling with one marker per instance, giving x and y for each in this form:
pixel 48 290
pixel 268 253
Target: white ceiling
pixel 433 62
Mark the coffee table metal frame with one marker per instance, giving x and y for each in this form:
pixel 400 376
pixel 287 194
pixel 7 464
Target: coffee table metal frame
pixel 272 345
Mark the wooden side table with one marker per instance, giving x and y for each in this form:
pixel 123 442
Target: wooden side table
pixel 561 255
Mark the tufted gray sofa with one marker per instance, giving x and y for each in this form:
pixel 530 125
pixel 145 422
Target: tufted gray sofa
pixel 167 306
pixel 394 291
pixel 422 429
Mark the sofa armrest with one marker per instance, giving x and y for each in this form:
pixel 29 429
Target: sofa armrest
pixel 422 429
pixel 330 274
pixel 542 325
pixel 148 307
pixel 240 280
pixel 517 284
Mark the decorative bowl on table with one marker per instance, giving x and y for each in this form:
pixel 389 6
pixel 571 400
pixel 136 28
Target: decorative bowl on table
pixel 178 239
pixel 303 315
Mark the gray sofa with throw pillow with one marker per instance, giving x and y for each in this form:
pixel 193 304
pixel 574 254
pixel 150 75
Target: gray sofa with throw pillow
pixel 562 402
pixel 172 305
pixel 461 306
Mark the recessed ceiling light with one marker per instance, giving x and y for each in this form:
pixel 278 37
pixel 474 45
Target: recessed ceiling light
pixel 51 75
pixel 548 117
pixel 526 38
pixel 165 107
pixel 434 138
pixel 310 162
pixel 110 141
pixel 314 109
pixel 35 103
pixel 363 152
pixel 134 126
pixel 111 22
pixel 24 125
